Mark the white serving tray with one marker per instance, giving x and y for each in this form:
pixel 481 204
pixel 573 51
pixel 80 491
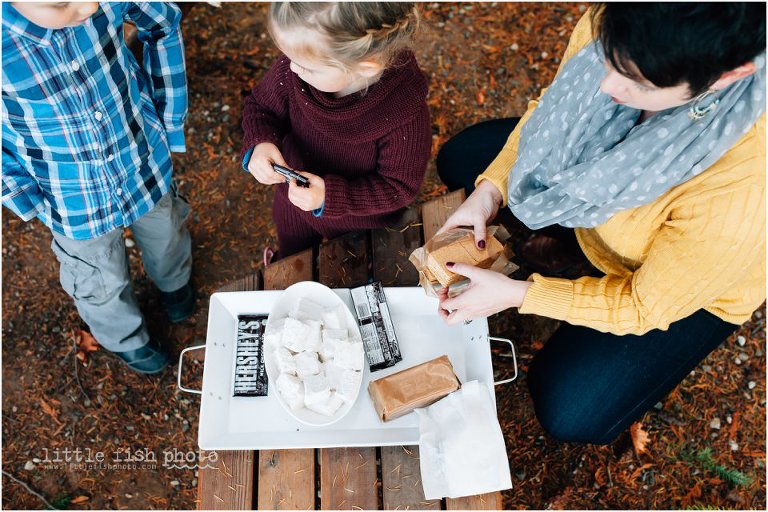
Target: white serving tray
pixel 255 423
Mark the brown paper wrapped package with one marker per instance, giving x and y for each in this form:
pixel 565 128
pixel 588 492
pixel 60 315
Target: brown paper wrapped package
pixel 463 250
pixel 418 386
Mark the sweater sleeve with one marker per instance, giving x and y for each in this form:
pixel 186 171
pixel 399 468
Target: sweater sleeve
pixel 402 162
pixel 704 248
pixel 498 171
pixel 265 110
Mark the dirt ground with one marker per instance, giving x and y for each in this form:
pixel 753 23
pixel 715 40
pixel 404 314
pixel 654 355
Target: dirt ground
pixel 706 441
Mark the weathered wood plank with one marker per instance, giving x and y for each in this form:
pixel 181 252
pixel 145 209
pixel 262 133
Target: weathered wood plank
pixel 283 273
pixel 347 475
pixel 401 480
pixel 436 212
pixel 225 480
pixel 391 248
pixel 400 472
pixel 348 479
pixel 488 501
pixel 344 262
pixel 248 283
pixel 287 477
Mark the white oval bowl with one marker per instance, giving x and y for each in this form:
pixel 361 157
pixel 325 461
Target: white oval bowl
pixel 327 298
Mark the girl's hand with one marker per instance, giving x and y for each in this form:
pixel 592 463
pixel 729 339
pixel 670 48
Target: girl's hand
pixel 477 211
pixel 488 293
pixel 260 164
pixel 307 199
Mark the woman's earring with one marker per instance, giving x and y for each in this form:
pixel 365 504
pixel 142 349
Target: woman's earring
pixel 696 111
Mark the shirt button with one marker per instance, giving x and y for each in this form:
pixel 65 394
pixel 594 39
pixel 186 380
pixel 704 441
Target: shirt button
pixel 98 115
pixel 119 191
pixel 110 157
pixel 75 65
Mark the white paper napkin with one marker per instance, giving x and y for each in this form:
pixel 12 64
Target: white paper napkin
pixel 461 445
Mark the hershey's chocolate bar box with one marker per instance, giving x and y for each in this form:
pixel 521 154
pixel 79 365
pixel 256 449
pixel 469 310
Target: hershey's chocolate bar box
pixel 250 373
pixel 379 339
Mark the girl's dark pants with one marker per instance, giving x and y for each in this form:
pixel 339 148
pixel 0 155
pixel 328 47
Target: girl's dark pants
pixel 588 386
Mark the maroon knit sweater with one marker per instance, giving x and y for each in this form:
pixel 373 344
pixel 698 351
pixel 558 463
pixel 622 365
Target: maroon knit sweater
pixel 371 148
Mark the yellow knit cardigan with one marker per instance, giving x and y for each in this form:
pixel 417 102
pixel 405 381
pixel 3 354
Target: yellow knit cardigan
pixel 701 245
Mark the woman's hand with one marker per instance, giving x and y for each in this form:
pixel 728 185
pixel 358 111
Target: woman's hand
pixel 488 293
pixel 307 198
pixel 260 164
pixel 477 211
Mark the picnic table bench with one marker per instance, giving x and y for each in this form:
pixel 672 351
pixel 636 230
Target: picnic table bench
pixel 387 477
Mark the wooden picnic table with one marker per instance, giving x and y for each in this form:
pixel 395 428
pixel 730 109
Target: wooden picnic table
pixel 387 477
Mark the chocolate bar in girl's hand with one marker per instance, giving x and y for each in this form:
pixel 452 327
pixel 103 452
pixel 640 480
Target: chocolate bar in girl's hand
pixel 290 174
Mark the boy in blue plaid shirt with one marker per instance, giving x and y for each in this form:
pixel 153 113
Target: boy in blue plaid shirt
pixel 87 141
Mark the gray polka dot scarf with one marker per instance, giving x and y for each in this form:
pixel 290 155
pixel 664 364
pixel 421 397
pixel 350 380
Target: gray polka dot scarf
pixel 583 158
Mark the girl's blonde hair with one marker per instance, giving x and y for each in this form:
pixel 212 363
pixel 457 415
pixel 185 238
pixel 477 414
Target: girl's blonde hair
pixel 353 31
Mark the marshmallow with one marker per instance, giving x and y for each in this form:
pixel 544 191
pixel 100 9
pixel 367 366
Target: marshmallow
pixel 273 334
pixel 331 339
pixel 345 382
pixel 314 340
pixel 295 334
pixel 291 389
pixel 285 361
pixel 316 390
pixel 306 309
pixel 333 373
pixel 349 356
pixel 335 318
pixel 329 407
pixel 306 364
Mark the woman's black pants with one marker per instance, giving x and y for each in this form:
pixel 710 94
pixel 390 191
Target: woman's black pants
pixel 588 386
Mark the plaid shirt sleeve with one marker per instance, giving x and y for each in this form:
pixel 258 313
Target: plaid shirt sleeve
pixel 158 27
pixel 21 193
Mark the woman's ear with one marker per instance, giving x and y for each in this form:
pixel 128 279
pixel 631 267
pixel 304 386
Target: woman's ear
pixel 369 68
pixel 734 75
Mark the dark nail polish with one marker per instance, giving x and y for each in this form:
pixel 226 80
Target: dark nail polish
pixel 481 244
pixel 449 263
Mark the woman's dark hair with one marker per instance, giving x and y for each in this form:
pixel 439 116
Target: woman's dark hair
pixel 676 43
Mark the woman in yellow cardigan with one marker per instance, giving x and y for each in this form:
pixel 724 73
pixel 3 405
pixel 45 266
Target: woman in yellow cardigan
pixel 647 155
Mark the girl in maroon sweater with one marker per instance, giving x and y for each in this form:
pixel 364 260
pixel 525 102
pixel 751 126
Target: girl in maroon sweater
pixel 346 105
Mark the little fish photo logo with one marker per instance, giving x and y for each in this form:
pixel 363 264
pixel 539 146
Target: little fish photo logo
pixel 123 459
pixel 178 459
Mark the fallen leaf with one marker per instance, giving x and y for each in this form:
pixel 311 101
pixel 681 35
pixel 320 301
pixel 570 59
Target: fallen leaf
pixel 50 411
pixel 79 499
pixel 640 438
pixel 636 473
pixel 47 409
pixel 85 343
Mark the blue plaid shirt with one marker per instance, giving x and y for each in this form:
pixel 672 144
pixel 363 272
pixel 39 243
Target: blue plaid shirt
pixel 88 133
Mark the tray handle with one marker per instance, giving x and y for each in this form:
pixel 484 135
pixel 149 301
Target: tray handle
pixel 514 359
pixel 181 370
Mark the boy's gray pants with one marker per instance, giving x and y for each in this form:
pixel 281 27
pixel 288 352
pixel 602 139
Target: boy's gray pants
pixel 96 275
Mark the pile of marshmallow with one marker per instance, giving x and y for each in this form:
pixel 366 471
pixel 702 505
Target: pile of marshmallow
pixel 320 364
